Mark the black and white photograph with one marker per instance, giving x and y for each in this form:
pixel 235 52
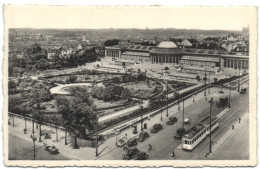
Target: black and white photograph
pixel 130 86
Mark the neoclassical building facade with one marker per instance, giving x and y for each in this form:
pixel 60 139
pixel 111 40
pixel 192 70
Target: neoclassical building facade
pixel 168 52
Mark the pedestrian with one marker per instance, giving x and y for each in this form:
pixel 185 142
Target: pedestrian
pixel 173 154
pixel 149 147
pixel 239 120
pixel 36 126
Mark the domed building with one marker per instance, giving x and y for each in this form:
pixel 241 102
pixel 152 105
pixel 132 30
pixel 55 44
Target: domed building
pixel 166 52
pixel 167 44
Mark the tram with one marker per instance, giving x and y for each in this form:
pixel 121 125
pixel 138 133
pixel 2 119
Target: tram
pixel 198 133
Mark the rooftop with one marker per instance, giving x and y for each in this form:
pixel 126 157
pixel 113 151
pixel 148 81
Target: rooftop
pixel 167 44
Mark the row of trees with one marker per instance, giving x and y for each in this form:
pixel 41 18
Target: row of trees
pixel 75 113
pixel 32 106
pixel 111 42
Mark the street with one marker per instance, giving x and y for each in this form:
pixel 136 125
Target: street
pixel 25 152
pixel 163 142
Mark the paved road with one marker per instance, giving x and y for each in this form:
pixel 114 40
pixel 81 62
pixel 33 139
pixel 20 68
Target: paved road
pixel 163 142
pixel 240 106
pixel 24 152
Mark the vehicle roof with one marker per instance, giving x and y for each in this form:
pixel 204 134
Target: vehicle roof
pixel 131 139
pixel 199 127
pixel 143 132
pixel 132 148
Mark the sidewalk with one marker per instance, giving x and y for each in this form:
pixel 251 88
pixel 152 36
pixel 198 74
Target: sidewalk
pixel 85 153
pixel 228 133
pixel 236 146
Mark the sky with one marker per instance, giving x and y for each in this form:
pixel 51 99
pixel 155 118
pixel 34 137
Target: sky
pixel 127 17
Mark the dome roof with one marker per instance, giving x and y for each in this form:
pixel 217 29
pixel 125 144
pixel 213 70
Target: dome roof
pixel 167 44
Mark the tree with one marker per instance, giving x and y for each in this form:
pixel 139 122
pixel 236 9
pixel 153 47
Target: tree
pixel 82 94
pixel 126 94
pixel 35 48
pixel 72 79
pixel 42 64
pixel 39 93
pixel 180 131
pixel 79 116
pixel 111 42
pixel 166 69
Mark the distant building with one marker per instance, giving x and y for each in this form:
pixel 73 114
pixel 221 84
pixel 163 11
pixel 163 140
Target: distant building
pixel 84 38
pixel 189 43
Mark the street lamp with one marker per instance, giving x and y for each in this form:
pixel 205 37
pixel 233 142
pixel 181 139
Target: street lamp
pixel 167 113
pixel 209 84
pixel 183 113
pixel 229 104
pixel 161 109
pixel 210 103
pixel 205 81
pixel 97 137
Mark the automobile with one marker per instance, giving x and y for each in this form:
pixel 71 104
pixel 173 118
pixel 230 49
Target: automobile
pixel 142 136
pixel 156 128
pixel 187 120
pixel 130 153
pixel 171 120
pixel 121 141
pixel 141 156
pixel 51 149
pixel 243 91
pixel 131 142
pixel 221 92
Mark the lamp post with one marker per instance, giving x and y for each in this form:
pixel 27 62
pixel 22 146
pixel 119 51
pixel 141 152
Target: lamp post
pixel 205 81
pixel 97 137
pixel 167 113
pixel 161 109
pixel 229 97
pixel 34 139
pixel 183 113
pixel 209 84
pixel 178 100
pixel 210 103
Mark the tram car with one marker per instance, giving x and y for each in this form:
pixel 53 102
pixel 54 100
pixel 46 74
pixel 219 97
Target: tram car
pixel 198 133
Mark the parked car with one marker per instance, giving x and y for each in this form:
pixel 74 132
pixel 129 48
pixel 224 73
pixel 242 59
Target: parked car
pixel 51 149
pixel 171 120
pixel 121 141
pixel 142 136
pixel 156 128
pixel 243 91
pixel 130 153
pixel 131 142
pixel 141 156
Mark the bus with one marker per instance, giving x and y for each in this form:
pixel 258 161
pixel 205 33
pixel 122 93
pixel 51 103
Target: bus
pixel 198 133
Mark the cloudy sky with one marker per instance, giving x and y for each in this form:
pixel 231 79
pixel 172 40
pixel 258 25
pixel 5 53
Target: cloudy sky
pixel 126 17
